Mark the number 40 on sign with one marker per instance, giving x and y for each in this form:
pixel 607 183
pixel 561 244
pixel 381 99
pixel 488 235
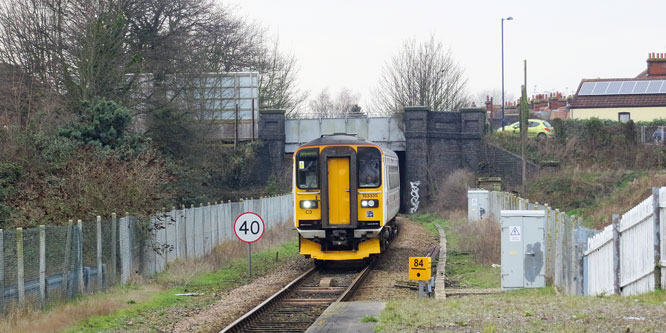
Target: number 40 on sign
pixel 249 227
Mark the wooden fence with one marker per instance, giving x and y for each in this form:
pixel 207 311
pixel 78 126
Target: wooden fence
pixel 625 258
pixel 565 240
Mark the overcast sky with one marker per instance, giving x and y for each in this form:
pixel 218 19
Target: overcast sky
pixel 345 43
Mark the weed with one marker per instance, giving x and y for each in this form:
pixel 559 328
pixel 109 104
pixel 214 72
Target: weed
pixel 490 328
pixel 369 319
pixel 461 323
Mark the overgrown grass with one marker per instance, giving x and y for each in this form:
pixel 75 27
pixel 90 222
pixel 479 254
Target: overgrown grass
pixel 147 306
pixel 142 315
pixel 462 268
pixel 428 221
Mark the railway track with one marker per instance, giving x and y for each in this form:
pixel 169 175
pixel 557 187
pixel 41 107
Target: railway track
pixel 302 301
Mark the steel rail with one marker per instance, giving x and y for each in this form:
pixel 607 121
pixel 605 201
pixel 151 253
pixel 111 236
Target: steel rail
pixel 247 318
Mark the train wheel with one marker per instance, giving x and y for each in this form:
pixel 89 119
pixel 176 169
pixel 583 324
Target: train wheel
pixel 319 263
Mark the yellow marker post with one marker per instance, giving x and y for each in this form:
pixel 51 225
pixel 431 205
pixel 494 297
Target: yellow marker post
pixel 419 268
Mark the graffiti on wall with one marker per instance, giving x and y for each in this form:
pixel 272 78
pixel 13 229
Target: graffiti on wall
pixel 415 196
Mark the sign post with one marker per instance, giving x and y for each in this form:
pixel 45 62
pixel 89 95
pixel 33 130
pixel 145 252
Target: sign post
pixel 249 227
pixel 420 270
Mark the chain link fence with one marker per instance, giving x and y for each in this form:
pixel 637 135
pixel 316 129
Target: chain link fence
pixel 651 134
pixel 49 263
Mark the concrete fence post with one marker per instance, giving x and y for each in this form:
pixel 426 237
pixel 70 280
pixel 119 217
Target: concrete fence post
pixel 114 248
pixel 2 271
pixel 189 232
pixel 68 254
pixel 616 254
pixel 19 267
pixel 200 231
pixel 657 238
pixel 100 280
pixel 42 266
pixel 79 256
pixel 125 249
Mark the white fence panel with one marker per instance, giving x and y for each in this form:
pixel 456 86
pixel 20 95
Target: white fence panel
pixel 637 249
pixel 600 262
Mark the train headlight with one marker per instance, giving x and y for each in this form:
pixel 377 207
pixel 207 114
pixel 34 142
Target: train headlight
pixel 308 204
pixel 369 203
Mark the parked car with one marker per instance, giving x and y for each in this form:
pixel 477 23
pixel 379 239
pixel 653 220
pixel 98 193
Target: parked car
pixel 536 128
pixel 658 135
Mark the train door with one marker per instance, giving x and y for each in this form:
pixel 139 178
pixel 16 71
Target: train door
pixel 338 191
pixel 339 187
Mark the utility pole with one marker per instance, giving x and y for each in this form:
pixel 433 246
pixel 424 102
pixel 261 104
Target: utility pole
pixel 524 116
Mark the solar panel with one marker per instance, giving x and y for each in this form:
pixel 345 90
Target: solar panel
pixel 600 88
pixel 641 87
pixel 614 88
pixel 586 88
pixel 638 87
pixel 653 87
pixel 627 87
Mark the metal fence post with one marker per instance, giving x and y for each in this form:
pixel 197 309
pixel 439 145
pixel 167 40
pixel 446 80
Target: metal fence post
pixel 42 265
pixel 19 262
pixel 657 240
pixel 616 254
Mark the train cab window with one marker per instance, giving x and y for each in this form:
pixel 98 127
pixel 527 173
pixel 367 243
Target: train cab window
pixel 307 174
pixel 369 171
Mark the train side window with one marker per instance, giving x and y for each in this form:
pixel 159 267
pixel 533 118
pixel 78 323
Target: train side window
pixel 369 167
pixel 307 175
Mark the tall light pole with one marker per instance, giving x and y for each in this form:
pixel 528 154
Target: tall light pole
pixel 508 19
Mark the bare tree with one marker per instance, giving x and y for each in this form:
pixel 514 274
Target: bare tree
pixel 325 106
pixel 422 73
pixel 277 83
pixel 494 94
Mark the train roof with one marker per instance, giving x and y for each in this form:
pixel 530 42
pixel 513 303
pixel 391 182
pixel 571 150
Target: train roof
pixel 344 139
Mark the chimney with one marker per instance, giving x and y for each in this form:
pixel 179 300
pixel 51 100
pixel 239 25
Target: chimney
pixel 489 103
pixel 656 64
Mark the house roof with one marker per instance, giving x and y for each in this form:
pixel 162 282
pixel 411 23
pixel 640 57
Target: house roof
pixel 617 100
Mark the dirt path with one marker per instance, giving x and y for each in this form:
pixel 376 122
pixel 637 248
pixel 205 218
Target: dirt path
pixel 413 240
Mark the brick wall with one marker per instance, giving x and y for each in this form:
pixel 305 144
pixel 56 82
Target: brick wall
pixel 437 143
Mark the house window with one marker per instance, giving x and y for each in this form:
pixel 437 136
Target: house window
pixel 623 117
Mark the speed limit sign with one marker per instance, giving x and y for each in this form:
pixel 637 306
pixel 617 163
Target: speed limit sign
pixel 249 227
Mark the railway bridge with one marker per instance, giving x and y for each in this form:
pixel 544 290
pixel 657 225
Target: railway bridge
pixel 430 145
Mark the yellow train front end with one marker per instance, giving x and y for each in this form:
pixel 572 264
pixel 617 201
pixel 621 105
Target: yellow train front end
pixel 346 195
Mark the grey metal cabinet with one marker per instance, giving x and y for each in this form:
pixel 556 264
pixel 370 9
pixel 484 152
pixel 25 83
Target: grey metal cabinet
pixel 477 204
pixel 523 249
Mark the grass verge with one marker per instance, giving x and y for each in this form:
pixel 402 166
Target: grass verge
pixel 164 308
pixel 462 270
pixel 526 310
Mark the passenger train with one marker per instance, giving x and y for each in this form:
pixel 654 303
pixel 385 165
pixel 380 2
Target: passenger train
pixel 346 196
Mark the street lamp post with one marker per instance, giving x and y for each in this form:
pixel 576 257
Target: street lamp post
pixel 508 19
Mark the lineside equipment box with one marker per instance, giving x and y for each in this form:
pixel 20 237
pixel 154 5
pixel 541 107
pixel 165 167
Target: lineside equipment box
pixel 523 249
pixel 477 204
pixel 419 268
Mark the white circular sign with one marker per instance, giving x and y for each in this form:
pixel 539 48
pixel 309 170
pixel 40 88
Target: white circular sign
pixel 249 227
